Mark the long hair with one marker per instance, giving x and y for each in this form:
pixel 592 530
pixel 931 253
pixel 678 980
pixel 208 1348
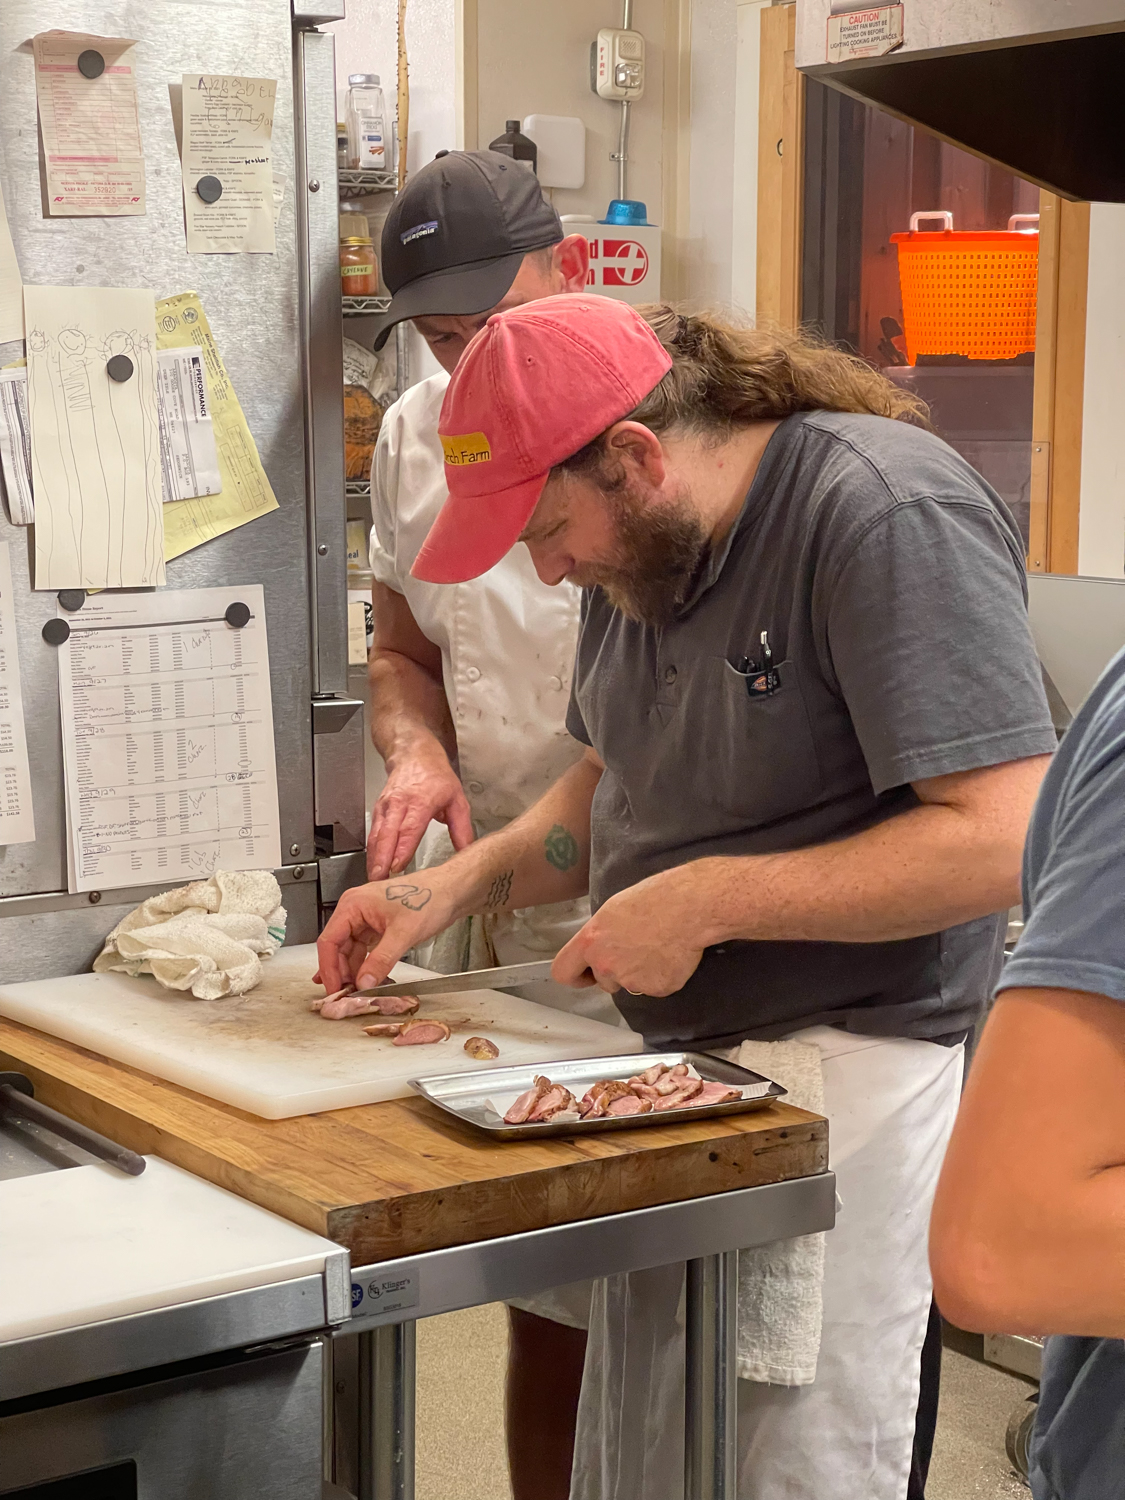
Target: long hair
pixel 724 377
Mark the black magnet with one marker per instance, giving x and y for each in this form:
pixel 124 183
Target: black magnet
pixel 210 189
pixel 55 632
pixel 72 599
pixel 119 367
pixel 91 64
pixel 237 615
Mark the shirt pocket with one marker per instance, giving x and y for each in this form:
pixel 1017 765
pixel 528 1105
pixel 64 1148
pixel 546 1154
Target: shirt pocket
pixel 756 753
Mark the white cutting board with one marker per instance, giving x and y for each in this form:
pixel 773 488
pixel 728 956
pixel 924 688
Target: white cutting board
pixel 90 1243
pixel 267 1053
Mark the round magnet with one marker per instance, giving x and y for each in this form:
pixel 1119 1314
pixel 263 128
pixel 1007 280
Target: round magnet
pixel 91 64
pixel 237 615
pixel 119 368
pixel 210 189
pixel 55 632
pixel 72 599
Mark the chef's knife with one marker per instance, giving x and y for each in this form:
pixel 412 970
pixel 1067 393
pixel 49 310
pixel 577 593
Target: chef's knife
pixel 506 978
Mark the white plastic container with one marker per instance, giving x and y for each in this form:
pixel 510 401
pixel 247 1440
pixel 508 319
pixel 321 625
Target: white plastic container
pixel 366 117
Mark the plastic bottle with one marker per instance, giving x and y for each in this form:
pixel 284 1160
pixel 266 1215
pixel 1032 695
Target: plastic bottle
pixel 515 144
pixel 366 114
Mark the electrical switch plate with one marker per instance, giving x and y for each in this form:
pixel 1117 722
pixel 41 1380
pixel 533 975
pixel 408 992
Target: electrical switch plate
pixel 561 142
pixel 617 64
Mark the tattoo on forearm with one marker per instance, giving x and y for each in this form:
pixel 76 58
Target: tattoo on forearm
pixel 499 890
pixel 413 897
pixel 561 848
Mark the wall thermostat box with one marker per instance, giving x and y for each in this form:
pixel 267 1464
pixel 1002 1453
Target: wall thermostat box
pixel 617 64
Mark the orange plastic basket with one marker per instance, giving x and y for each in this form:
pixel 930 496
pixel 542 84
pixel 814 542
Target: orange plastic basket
pixel 969 292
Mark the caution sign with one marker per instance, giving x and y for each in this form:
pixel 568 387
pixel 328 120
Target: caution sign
pixel 864 33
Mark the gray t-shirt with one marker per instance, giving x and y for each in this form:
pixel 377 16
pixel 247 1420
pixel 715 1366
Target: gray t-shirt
pixel 890 580
pixel 1074 939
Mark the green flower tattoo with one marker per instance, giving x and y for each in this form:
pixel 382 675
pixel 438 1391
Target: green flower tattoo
pixel 561 848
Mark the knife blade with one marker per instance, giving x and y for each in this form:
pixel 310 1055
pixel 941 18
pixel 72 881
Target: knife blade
pixel 506 978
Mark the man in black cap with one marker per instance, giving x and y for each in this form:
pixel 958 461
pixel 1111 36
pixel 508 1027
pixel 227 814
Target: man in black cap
pixel 469 685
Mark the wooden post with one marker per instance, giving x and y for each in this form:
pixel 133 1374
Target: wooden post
pixel 780 174
pixel 403 95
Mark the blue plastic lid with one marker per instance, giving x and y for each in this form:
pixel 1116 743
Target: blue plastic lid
pixel 626 211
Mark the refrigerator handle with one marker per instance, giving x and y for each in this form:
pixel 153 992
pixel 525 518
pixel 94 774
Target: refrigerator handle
pixel 322 351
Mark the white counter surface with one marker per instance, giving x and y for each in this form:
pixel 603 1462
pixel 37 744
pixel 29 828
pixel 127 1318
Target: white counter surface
pixel 89 1243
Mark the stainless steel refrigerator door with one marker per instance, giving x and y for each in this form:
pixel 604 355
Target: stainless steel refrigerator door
pixel 253 307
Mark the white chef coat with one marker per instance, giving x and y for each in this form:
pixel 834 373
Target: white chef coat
pixel 507 651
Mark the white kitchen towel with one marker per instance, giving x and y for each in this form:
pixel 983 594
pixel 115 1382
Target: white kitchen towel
pixel 208 937
pixel 781 1286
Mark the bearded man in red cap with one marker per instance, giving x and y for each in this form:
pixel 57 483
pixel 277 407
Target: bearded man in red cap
pixel 815 728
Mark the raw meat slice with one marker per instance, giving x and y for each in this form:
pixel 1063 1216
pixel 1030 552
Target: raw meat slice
pixel 555 1099
pixel 653 1074
pixel 322 1000
pixel 519 1111
pixel 628 1104
pixel 421 1034
pixel 717 1093
pixel 385 1028
pixel 682 1096
pixel 395 1005
pixel 480 1046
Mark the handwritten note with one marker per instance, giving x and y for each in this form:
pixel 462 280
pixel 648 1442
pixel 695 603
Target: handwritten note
pixel 95 443
pixel 17 822
pixel 227 163
pixel 167 726
pixel 87 92
pixel 246 493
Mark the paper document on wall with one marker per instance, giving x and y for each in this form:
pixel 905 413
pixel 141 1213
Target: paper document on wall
pixel 11 286
pixel 95 440
pixel 188 460
pixel 246 494
pixel 17 821
pixel 227 163
pixel 87 92
pixel 167 729
pixel 15 446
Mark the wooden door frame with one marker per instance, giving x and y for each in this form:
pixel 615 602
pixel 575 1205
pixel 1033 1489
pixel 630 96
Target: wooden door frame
pixel 1060 361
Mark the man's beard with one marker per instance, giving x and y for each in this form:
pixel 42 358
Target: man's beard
pixel 656 560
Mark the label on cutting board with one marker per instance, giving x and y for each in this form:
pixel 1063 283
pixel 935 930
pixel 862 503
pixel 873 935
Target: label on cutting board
pixel 383 1295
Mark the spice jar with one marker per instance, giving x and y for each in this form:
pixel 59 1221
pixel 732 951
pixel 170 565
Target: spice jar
pixel 359 276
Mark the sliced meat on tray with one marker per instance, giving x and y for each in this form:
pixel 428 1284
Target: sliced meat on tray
pixel 628 1104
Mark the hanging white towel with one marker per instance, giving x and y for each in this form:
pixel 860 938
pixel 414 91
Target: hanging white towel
pixel 781 1286
pixel 208 937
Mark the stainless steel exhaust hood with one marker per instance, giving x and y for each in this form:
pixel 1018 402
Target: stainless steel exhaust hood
pixel 1035 85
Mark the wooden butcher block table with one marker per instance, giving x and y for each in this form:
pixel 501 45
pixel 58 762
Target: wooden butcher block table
pixel 437 1216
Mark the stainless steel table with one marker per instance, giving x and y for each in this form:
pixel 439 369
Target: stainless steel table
pixel 706 1233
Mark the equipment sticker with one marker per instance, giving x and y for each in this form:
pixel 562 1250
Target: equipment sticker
pixel 385 1295
pixel 865 33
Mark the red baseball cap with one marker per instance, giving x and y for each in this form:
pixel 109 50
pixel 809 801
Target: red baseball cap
pixel 537 383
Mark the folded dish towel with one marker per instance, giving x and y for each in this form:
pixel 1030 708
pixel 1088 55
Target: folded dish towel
pixel 208 937
pixel 781 1286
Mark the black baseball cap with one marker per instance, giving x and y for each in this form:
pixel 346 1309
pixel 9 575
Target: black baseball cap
pixel 457 233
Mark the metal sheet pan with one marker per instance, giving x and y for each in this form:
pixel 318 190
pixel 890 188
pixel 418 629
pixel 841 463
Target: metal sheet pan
pixel 466 1095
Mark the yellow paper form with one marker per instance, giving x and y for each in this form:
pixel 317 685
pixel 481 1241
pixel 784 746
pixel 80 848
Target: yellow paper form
pixel 87 92
pixel 95 441
pixel 227 164
pixel 11 286
pixel 246 493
